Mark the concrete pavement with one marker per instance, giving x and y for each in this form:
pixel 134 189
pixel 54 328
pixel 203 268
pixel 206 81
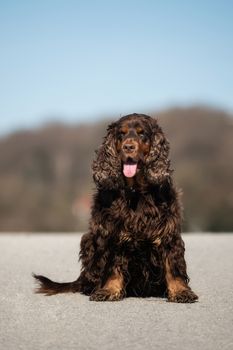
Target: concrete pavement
pixel 71 321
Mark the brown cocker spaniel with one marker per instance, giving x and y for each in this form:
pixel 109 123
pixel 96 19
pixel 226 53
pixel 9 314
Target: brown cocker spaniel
pixel 134 245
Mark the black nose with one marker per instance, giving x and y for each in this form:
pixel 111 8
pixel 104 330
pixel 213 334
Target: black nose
pixel 129 147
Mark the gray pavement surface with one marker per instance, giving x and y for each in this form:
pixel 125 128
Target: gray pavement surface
pixel 71 321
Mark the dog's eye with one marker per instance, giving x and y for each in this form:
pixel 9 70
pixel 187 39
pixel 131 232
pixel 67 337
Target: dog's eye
pixel 143 136
pixel 121 134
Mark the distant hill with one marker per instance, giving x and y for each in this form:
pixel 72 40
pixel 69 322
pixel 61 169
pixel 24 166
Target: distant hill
pixel 45 177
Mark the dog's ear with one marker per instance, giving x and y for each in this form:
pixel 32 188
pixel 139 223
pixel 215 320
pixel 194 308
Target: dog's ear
pixel 107 164
pixel 157 163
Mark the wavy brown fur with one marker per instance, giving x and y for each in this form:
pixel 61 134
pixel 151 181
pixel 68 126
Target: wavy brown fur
pixel 134 245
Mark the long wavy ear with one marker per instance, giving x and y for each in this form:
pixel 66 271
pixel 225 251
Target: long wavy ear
pixel 107 165
pixel 158 165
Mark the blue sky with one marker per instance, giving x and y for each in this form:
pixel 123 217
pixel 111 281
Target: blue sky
pixel 81 60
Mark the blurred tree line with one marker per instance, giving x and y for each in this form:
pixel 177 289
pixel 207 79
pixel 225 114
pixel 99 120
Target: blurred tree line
pixel 46 182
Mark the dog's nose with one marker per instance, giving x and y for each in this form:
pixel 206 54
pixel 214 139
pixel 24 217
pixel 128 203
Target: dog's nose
pixel 129 147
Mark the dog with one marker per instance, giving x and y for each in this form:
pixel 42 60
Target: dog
pixel 134 245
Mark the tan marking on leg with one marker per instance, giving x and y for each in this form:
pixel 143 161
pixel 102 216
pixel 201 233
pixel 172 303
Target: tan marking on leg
pixel 112 289
pixel 174 284
pixel 178 289
pixel 114 283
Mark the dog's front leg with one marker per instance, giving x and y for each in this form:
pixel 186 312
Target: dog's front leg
pixel 113 288
pixel 176 275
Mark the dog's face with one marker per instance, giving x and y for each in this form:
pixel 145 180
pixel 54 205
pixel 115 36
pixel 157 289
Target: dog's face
pixel 133 142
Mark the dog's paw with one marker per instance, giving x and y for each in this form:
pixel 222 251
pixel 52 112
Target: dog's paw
pixel 184 296
pixel 106 295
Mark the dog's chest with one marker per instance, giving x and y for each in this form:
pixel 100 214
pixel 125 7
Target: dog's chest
pixel 134 240
pixel 139 216
pixel 132 199
pixel 132 217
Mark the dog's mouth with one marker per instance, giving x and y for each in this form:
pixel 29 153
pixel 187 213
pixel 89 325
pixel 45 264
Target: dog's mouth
pixel 130 167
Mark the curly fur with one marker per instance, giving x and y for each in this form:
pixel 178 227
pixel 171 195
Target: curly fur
pixel 134 245
pixel 107 165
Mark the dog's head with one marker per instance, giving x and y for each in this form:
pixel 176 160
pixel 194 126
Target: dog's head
pixel 134 145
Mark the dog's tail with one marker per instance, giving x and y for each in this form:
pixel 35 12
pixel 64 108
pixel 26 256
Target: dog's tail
pixel 48 287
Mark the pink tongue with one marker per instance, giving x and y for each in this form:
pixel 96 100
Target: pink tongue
pixel 129 170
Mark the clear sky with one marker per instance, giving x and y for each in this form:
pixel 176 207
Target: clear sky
pixel 80 60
